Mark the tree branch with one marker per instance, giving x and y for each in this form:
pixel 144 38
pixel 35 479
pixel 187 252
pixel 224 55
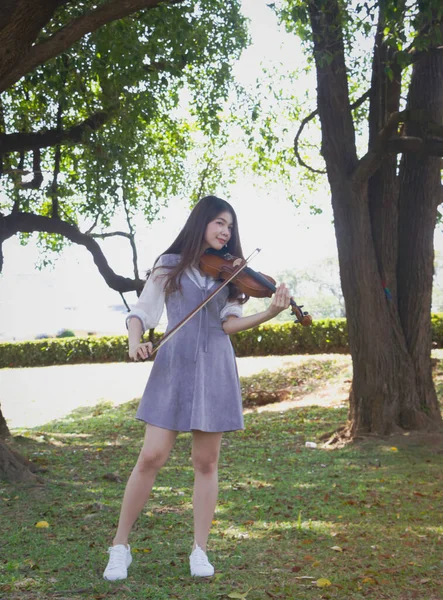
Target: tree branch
pixel 428 146
pixel 21 222
pixel 37 179
pixel 74 31
pixel 370 162
pixel 102 236
pixel 18 142
pixel 131 233
pixel 387 142
pixel 309 118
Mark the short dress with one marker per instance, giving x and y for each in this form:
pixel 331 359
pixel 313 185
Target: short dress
pixel 194 383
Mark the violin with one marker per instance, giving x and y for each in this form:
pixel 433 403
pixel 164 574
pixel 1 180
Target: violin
pixel 222 265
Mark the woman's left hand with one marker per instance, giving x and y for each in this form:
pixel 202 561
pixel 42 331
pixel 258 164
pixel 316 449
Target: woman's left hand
pixel 280 301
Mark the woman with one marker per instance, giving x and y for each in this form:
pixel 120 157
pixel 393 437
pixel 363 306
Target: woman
pixel 193 385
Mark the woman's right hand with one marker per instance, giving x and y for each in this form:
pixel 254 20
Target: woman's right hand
pixel 140 351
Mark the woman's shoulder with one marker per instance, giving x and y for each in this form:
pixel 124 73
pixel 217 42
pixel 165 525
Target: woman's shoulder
pixel 168 260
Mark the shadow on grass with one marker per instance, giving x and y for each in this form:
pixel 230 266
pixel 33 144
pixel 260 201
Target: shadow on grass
pixel 364 521
pixel 294 382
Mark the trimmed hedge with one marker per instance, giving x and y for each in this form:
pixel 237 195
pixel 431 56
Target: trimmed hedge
pixel 325 336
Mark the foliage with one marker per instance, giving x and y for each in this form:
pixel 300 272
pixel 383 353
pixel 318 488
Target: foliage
pixel 366 518
pixel 147 83
pixel 328 335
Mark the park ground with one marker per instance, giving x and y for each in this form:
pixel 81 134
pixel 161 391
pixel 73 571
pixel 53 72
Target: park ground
pixel 361 521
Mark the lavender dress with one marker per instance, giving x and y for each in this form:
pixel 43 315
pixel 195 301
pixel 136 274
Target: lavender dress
pixel 194 380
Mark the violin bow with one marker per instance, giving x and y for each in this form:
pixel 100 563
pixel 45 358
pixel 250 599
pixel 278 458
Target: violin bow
pixel 179 325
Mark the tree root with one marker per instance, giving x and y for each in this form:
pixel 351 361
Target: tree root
pixel 14 467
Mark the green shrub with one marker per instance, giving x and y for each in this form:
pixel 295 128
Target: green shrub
pixel 63 333
pixel 64 351
pixel 326 336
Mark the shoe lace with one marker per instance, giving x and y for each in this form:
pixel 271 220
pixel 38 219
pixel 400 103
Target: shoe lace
pixel 200 557
pixel 116 558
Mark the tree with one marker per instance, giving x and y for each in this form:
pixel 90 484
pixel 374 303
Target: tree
pixel 90 121
pixel 385 202
pixel 90 117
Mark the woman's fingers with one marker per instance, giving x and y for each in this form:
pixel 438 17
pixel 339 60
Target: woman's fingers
pixel 281 299
pixel 145 350
pixel 141 351
pixel 282 295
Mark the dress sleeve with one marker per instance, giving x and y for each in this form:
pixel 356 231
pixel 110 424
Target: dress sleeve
pixel 231 309
pixel 149 307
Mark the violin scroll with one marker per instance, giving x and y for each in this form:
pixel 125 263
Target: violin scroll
pixel 303 317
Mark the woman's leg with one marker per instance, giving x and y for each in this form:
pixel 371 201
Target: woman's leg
pixel 205 453
pixel 157 445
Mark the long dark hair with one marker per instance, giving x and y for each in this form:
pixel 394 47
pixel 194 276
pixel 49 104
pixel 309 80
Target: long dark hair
pixel 189 241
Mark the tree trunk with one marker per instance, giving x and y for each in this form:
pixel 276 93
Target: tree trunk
pixel 420 195
pixel 4 430
pixel 14 467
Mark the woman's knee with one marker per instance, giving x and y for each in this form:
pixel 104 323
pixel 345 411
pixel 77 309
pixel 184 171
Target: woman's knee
pixel 151 460
pixel 206 464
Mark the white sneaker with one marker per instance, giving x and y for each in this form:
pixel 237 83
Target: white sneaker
pixel 119 560
pixel 199 563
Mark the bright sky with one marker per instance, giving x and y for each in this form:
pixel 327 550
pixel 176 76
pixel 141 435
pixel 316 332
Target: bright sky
pixel 73 295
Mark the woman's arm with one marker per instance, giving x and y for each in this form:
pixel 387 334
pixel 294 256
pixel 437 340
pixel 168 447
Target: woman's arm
pixel 137 348
pixel 280 301
pixel 146 313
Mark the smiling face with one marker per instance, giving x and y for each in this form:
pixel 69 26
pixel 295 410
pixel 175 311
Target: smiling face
pixel 218 232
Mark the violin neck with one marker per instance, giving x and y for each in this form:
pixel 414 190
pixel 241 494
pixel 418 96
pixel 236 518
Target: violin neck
pixel 259 278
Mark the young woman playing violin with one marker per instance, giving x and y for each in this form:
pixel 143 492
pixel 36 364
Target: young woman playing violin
pixel 193 385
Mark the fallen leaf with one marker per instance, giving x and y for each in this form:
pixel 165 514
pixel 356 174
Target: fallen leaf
pixel 337 548
pixel 394 449
pixel 296 569
pixel 322 582
pixel 42 524
pixel 239 595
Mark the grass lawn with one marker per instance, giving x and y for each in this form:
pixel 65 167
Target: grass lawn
pixel 364 521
